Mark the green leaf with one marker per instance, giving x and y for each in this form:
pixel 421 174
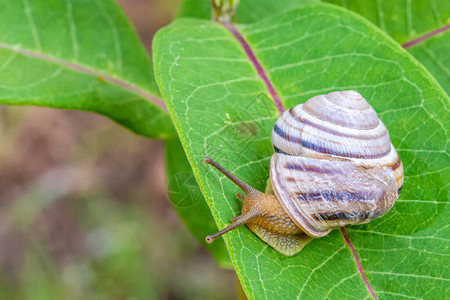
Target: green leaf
pixel 188 201
pixel 222 109
pixel 79 55
pixel 406 21
pixel 433 53
pixel 402 20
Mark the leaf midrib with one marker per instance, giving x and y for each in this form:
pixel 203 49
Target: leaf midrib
pixel 426 36
pixel 84 69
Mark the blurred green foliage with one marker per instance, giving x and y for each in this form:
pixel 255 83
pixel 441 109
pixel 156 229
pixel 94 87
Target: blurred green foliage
pixel 74 233
pixel 122 252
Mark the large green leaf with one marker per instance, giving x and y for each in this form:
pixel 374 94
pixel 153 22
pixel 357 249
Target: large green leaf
pixel 79 54
pixel 406 21
pixel 222 109
pixel 247 13
pixel 188 201
pixel 402 20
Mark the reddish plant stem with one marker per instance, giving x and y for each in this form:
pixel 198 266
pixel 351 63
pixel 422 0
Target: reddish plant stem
pixel 259 69
pixel 426 36
pixel 358 263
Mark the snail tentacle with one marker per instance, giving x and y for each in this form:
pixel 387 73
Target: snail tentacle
pixel 248 190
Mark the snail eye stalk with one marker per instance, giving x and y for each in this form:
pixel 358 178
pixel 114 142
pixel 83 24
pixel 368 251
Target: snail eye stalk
pixel 250 193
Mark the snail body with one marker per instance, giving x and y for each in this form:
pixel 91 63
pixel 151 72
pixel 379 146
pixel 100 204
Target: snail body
pixel 334 165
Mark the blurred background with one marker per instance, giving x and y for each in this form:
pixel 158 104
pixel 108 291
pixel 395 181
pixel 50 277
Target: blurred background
pixel 84 212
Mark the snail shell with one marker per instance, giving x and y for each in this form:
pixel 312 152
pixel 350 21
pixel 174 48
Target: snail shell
pixel 334 163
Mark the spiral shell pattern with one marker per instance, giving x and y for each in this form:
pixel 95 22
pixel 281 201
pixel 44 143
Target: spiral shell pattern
pixel 334 163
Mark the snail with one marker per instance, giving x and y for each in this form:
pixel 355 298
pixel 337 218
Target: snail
pixel 333 165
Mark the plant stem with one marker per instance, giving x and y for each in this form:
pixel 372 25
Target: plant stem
pixel 223 10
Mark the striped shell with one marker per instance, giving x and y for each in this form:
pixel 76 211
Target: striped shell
pixel 334 163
